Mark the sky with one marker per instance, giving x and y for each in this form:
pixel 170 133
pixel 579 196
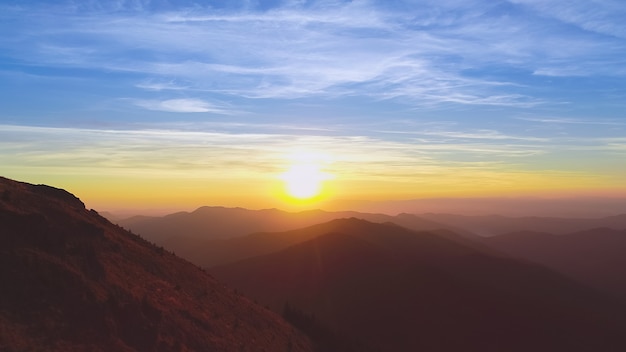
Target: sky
pixel 178 104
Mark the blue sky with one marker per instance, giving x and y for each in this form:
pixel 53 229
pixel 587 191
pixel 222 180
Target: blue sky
pixel 400 90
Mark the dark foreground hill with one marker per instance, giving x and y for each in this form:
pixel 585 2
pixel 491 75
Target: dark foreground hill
pixel 596 257
pixel 72 281
pixel 399 290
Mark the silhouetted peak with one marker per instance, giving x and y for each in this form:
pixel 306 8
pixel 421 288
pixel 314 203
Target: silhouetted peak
pixel 21 194
pixel 59 194
pixel 312 212
pixel 391 224
pixel 352 223
pixel 219 210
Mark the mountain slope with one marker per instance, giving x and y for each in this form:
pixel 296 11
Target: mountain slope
pixel 72 281
pixel 596 257
pixel 401 290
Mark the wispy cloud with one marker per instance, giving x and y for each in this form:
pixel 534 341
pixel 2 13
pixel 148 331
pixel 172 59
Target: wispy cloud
pixel 178 146
pixel 250 153
pixel 385 168
pixel 160 85
pixel 424 93
pixel 573 121
pixel 179 105
pixel 481 134
pixel 599 16
pixel 599 24
pixel 328 49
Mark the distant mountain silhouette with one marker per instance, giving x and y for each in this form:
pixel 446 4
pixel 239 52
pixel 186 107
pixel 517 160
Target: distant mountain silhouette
pixel 492 225
pixel 401 290
pixel 210 235
pixel 569 207
pixel 596 257
pixel 209 253
pixel 72 281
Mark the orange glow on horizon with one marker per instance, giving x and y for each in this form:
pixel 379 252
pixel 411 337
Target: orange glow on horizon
pixel 302 181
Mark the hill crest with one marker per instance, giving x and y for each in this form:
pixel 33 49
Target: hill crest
pixel 73 281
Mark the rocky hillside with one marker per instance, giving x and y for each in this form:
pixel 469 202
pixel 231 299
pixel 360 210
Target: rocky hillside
pixel 72 281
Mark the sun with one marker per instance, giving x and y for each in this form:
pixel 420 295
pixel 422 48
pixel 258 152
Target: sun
pixel 304 179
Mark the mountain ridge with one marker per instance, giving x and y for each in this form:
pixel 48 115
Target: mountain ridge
pixel 204 235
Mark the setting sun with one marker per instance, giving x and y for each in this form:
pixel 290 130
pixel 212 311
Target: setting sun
pixel 304 179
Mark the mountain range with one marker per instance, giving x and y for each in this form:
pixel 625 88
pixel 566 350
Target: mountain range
pixel 210 236
pixel 343 281
pixel 220 222
pixel 404 290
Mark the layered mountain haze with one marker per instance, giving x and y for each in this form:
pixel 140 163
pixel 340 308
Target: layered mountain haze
pixel 596 257
pixel 492 225
pixel 231 250
pixel 210 236
pixel 402 290
pixel 72 281
pixel 220 222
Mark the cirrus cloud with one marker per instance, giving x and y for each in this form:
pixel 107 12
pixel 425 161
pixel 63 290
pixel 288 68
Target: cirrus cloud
pixel 179 105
